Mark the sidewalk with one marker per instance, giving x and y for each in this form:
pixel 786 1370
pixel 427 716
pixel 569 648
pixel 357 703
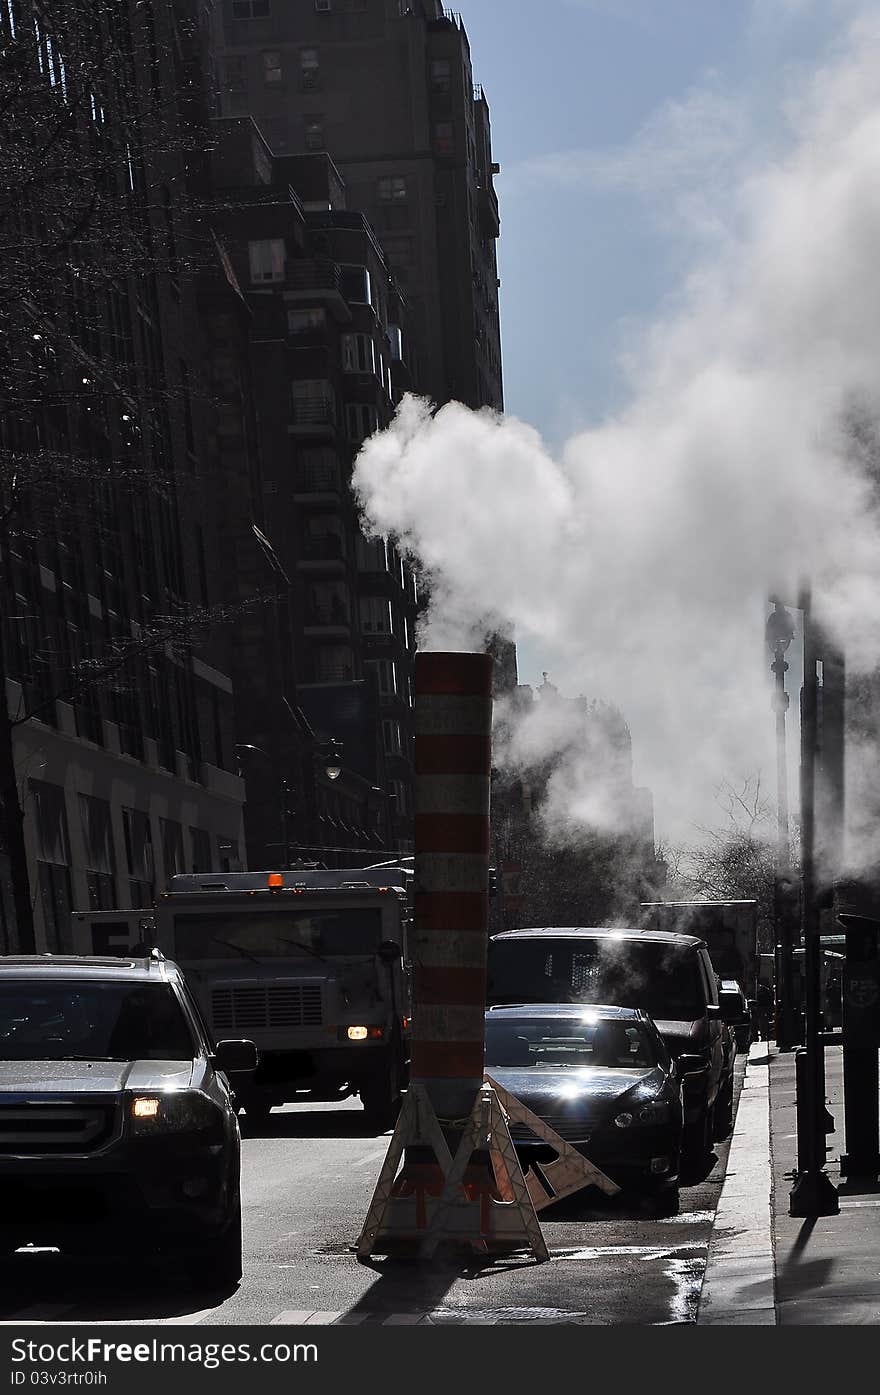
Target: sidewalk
pixel 765 1267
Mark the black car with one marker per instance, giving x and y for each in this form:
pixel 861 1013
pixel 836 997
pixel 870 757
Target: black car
pixel 118 1130
pixel 667 975
pixel 602 1078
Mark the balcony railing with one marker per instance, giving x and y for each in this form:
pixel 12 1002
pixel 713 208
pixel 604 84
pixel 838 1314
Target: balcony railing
pixel 312 276
pixel 328 616
pixel 325 547
pixel 318 480
pixel 313 411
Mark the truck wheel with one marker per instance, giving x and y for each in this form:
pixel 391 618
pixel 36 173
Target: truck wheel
pixel 257 1114
pixel 380 1095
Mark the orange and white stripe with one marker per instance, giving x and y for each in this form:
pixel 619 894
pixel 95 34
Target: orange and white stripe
pixel 453 726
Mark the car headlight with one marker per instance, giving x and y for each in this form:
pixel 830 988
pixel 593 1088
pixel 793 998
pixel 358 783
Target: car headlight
pixel 170 1112
pixel 657 1112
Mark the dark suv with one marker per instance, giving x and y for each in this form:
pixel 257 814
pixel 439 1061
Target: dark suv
pixel 669 976
pixel 118 1130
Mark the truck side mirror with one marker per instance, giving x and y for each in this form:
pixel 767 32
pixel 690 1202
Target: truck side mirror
pixel 389 951
pixel 235 1057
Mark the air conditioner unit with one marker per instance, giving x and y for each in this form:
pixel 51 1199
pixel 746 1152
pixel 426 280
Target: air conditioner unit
pixel 323 6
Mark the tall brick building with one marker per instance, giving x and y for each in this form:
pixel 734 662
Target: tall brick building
pixel 387 88
pixel 121 759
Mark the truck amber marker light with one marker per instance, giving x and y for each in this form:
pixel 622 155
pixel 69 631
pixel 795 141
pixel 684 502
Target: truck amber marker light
pixel 145 1108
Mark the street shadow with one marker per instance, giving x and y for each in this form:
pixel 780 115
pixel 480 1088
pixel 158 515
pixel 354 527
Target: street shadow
pixel 796 1274
pixel 100 1288
pixel 319 1123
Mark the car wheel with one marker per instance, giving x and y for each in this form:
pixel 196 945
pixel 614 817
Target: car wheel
pixel 667 1200
pixel 697 1142
pixel 381 1097
pixel 723 1112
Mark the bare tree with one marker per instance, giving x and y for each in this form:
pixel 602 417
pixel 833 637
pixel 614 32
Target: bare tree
pixel 737 860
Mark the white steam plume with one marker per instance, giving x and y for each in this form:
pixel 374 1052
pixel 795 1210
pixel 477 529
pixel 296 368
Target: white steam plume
pixel 643 556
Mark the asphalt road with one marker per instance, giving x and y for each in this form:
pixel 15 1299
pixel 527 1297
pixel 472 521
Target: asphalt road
pixel 306 1188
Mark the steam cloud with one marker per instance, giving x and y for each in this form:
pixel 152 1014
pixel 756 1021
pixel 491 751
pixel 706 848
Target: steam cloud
pixel 641 558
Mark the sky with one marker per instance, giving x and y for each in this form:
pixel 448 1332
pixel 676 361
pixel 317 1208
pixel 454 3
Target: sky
pixel 690 206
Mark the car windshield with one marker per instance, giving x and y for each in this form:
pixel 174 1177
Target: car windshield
pixel 660 978
pixel 568 1041
pixel 100 1021
pixel 281 934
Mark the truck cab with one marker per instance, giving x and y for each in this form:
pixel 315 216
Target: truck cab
pixel 312 966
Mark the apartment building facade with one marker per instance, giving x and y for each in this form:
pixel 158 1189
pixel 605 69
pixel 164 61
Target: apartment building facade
pixel 121 753
pixel 328 348
pixel 387 88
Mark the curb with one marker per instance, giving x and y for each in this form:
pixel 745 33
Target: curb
pixel 739 1284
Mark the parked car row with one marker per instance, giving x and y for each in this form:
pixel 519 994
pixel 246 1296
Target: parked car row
pixel 677 1064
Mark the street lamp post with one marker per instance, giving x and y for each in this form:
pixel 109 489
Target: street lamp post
pixel 779 634
pixel 813 1193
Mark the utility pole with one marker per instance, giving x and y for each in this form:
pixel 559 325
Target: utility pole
pixel 813 1193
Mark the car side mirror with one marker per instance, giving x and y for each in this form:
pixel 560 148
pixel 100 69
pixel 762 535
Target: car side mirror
pixel 389 951
pixel 731 1007
pixel 689 1065
pixel 236 1057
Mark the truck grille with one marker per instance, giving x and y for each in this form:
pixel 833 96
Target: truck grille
pixel 270 1006
pixel 36 1127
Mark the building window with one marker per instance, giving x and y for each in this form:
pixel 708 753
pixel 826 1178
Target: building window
pixel 314 133
pixel 375 612
pixel 398 250
pixel 392 189
pixel 309 67
pixel 200 840
pixel 441 75
pixel 272 71
pixel 305 321
pixel 314 402
pixel 358 354
pixel 386 675
pixel 361 420
pixel 370 553
pixel 250 9
pixel 356 284
pixel 138 856
pixel 97 834
pixel 267 259
pixel 395 340
pixel 172 847
pixel 235 68
pixel 391 738
pixel 53 865
pixel 444 138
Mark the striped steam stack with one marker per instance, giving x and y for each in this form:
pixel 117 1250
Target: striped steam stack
pixel 453 744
